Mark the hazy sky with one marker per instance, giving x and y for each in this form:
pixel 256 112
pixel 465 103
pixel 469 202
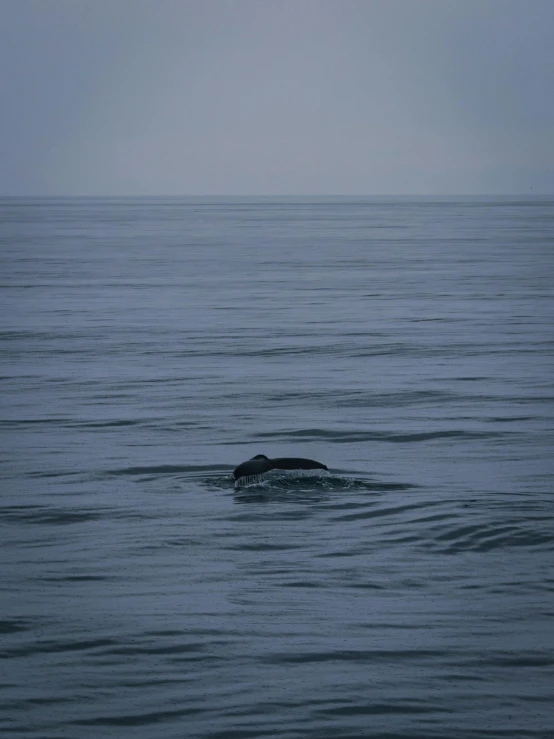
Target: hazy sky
pixel 276 96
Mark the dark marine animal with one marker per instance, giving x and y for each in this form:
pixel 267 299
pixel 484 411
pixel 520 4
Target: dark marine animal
pixel 252 469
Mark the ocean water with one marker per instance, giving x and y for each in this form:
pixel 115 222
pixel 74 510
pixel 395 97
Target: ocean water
pixel 151 345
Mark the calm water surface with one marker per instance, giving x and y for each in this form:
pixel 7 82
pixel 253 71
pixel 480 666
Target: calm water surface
pixel 149 346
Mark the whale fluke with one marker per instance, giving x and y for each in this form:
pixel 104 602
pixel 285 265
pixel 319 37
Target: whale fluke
pixel 260 464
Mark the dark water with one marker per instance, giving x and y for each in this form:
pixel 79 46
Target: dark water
pixel 149 346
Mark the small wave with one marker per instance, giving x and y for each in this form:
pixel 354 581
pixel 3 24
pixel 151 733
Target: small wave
pixel 168 469
pixel 350 437
pixel 14 626
pixel 24 422
pixel 53 646
pixel 488 537
pixel 50 515
pixel 138 719
pixel 103 424
pixel 355 655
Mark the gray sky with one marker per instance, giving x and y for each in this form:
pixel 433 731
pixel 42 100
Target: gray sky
pixel 276 96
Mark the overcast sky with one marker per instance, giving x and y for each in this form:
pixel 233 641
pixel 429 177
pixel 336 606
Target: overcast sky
pixel 276 96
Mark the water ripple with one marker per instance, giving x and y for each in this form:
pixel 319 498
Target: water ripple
pixel 151 345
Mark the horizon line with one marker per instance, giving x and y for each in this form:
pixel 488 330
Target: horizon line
pixel 280 195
